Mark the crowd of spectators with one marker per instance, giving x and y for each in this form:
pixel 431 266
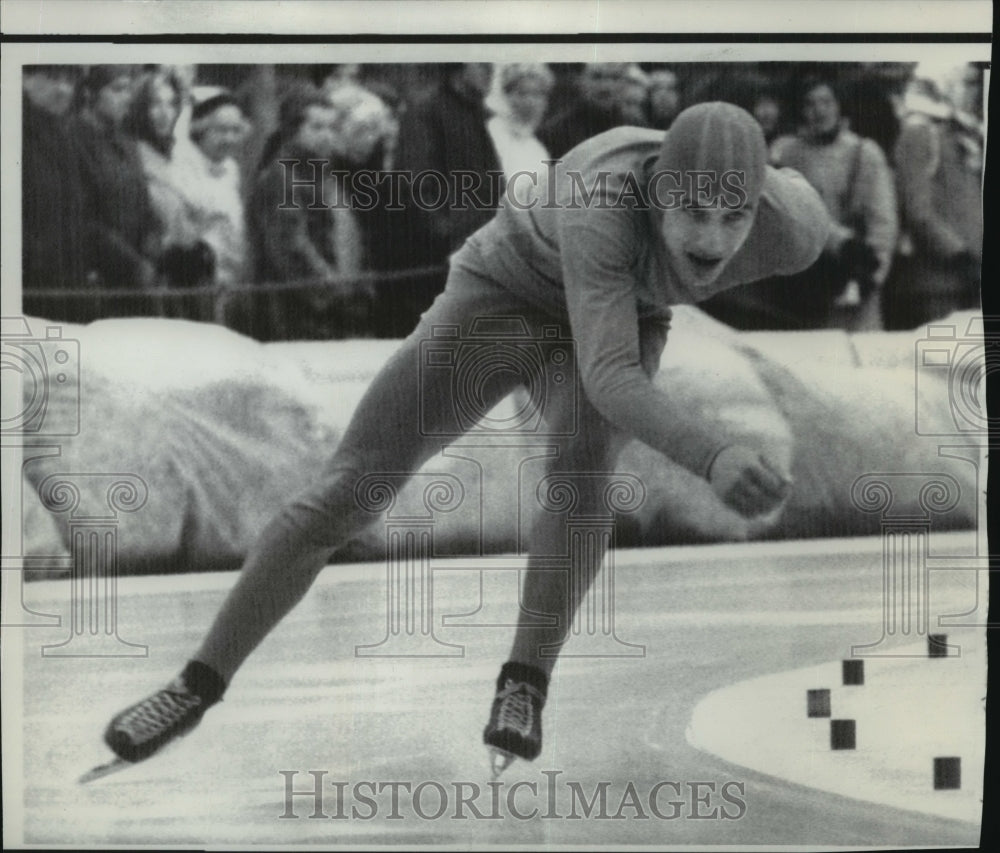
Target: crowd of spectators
pixel 158 190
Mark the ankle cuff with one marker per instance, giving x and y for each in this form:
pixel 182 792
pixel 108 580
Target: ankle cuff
pixel 201 679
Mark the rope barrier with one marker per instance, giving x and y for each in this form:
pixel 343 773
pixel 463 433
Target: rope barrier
pixel 250 288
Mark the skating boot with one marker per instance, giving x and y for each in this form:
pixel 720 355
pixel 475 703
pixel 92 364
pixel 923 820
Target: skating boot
pixel 515 726
pixel 142 729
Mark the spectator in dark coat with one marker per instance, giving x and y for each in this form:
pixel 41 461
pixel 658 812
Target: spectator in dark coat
pixel 302 233
pixel 52 199
pixel 121 222
pixel 444 135
pixel 597 109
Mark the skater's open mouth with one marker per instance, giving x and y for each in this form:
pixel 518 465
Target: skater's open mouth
pixel 703 263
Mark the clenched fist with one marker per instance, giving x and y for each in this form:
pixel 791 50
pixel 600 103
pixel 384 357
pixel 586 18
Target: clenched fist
pixel 747 481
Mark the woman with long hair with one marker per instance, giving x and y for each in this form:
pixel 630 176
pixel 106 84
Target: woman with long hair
pixel 185 260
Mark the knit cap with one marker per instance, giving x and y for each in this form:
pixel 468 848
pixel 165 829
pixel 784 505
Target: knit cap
pixel 720 139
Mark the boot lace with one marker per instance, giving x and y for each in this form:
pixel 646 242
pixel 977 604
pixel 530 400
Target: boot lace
pixel 159 712
pixel 517 710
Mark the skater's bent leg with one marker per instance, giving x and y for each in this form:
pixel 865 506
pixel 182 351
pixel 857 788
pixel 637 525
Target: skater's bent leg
pixel 554 592
pixel 559 592
pixel 591 448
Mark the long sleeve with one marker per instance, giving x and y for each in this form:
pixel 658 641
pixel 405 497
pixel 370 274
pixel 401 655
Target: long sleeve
pixel 916 164
pixel 877 200
pixel 421 148
pixel 601 301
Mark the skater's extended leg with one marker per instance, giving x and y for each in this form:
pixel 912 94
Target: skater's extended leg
pixel 399 424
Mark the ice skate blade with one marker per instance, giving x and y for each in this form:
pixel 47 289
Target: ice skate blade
pixel 102 770
pixel 500 760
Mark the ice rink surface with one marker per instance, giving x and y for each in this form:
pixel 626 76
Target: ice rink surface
pixel 700 619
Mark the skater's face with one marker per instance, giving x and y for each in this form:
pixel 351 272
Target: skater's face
pixel 700 241
pixel 112 101
pixel 821 110
pixel 317 134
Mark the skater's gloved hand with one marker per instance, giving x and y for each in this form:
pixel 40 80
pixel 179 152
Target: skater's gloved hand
pixel 748 481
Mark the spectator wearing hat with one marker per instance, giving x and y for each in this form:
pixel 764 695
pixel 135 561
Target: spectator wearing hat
pixel 939 173
pixel 523 96
pixel 303 234
pixel 218 130
pixel 119 215
pixel 52 197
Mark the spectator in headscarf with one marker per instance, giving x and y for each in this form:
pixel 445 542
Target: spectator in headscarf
pixel 122 227
pixel 939 172
pixel 597 109
pixel 523 96
pixel 219 128
pixel 303 235
pixel 664 98
pixel 52 198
